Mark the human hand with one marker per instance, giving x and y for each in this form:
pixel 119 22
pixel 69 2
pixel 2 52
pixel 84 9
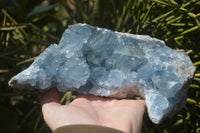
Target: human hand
pixel 125 115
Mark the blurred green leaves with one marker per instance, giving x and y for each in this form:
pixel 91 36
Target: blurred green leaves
pixel 40 9
pixel 28 27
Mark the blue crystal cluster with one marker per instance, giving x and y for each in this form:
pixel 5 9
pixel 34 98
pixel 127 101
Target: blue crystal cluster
pixel 102 62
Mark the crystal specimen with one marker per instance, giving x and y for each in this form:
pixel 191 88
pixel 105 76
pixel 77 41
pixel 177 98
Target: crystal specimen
pixel 102 62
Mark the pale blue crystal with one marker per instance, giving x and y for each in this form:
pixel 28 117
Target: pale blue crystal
pixel 102 62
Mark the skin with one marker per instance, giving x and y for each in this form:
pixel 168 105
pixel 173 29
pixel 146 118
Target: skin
pixel 125 115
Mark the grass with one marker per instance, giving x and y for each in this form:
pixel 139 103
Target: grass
pixel 26 32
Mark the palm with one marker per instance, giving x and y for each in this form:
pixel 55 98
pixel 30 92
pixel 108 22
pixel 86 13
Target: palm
pixel 87 109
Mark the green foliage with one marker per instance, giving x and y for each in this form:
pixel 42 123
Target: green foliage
pixel 28 27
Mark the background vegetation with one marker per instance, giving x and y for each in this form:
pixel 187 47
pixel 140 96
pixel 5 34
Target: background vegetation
pixel 29 26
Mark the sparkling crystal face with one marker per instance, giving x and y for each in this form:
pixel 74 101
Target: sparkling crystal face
pixel 102 62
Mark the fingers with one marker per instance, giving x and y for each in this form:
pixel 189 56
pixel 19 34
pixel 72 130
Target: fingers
pixel 87 96
pixel 139 106
pixel 142 105
pixel 50 101
pixel 138 110
pixel 51 96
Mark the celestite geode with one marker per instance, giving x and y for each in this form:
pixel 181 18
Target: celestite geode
pixel 102 62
